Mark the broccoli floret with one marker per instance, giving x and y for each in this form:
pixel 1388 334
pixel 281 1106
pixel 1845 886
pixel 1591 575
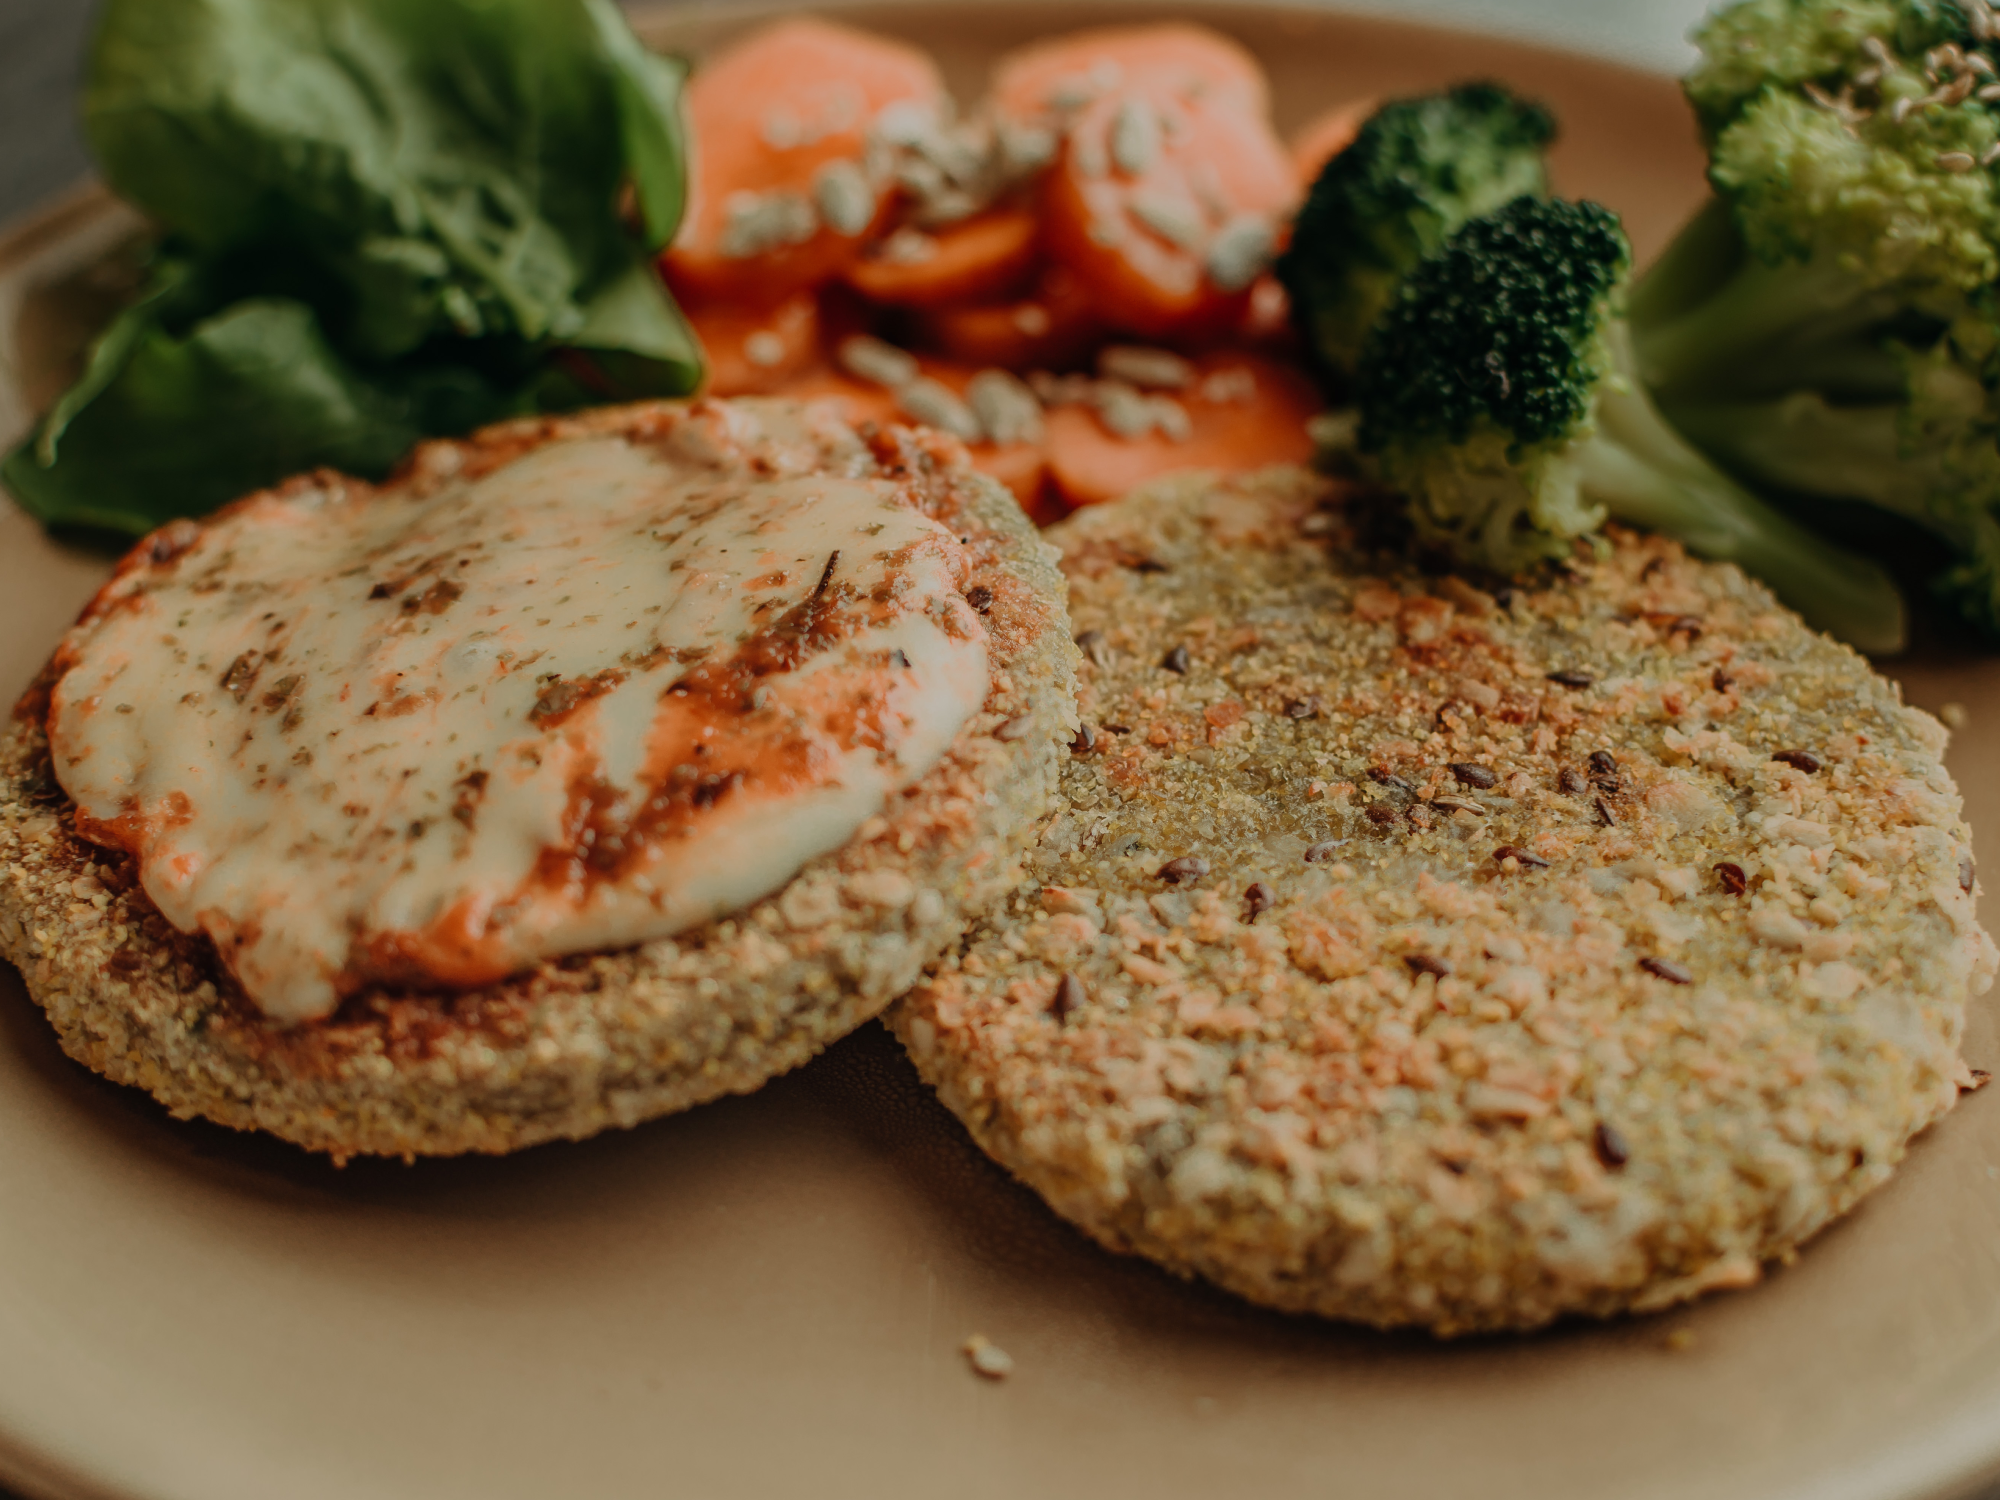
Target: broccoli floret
pixel 1499 394
pixel 1829 324
pixel 1760 44
pixel 1417 170
pixel 1851 155
pixel 1931 457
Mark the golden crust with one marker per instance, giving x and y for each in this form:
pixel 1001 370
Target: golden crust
pixel 1438 1020
pixel 573 1046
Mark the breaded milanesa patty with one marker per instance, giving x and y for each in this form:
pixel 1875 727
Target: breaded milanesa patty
pixel 578 1044
pixel 1414 955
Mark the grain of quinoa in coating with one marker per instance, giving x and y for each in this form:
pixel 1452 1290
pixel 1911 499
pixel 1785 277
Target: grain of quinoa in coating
pixel 1431 956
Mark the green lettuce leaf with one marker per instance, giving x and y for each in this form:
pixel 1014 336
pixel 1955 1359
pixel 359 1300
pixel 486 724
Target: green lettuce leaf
pixel 457 163
pixel 246 397
pixel 383 219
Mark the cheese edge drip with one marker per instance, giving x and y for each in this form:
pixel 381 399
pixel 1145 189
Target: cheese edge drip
pixel 607 692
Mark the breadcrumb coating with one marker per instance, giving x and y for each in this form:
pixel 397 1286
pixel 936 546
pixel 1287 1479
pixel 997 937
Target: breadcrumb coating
pixel 577 1045
pixel 1422 955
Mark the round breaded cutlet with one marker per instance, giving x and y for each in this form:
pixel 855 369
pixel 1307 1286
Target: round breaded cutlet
pixel 1419 955
pixel 578 1044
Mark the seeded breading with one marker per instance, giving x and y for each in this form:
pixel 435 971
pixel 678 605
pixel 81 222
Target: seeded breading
pixel 576 1045
pixel 1416 954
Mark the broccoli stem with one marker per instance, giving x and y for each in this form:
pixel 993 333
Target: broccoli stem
pixel 1696 265
pixel 1804 444
pixel 1853 370
pixel 1727 338
pixel 1811 447
pixel 1643 472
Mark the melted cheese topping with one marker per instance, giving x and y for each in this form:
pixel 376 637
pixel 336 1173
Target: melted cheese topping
pixel 606 692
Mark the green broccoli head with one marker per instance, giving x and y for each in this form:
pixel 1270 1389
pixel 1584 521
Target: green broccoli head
pixel 1899 203
pixel 1834 228
pixel 1499 394
pixel 1483 377
pixel 1418 169
pixel 1786 44
pixel 1852 155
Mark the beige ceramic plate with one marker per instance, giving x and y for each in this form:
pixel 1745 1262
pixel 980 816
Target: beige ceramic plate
pixel 766 1297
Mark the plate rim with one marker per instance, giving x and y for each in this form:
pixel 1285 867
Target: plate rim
pixel 1958 1456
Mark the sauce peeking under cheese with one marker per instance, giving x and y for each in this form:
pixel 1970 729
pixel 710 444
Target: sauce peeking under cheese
pixel 609 690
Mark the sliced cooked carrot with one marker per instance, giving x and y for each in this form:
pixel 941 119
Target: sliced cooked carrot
pixel 1167 208
pixel 1327 136
pixel 777 197
pixel 1054 327
pixel 754 351
pixel 1042 83
pixel 1244 413
pixel 983 258
pixel 1021 467
pixel 854 401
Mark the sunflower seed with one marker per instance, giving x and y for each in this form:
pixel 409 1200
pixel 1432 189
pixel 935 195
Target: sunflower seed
pixel 760 222
pixel 1007 410
pixel 1023 150
pixel 1135 137
pixel 947 206
pixel 936 406
pixel 844 197
pixel 872 360
pixel 1087 153
pixel 1032 319
pixel 1240 252
pixel 907 247
pixel 905 123
pixel 1148 369
pixel 1172 217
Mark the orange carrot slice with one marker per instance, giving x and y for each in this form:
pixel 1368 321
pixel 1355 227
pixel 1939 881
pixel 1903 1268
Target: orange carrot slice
pixel 1054 327
pixel 1021 467
pixel 855 402
pixel 1168 207
pixel 778 200
pixel 1243 413
pixel 1326 136
pixel 1043 83
pixel 983 258
pixel 754 351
